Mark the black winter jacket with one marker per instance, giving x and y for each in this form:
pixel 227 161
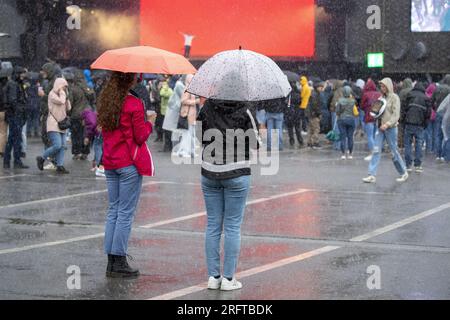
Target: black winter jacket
pixel 229 131
pixel 417 107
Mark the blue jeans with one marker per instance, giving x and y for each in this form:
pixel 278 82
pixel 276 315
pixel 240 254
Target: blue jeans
pixel 438 136
pixel 58 144
pixel 429 137
pixel 370 132
pixel 347 128
pixel 124 189
pixel 390 135
pixel 225 205
pixel 14 140
pixel 274 121
pixel 411 132
pixel 98 150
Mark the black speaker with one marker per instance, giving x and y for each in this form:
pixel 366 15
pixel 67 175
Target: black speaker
pixel 420 51
pixel 28 46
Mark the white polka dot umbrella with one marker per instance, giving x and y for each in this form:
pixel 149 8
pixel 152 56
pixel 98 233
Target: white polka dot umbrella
pixel 240 75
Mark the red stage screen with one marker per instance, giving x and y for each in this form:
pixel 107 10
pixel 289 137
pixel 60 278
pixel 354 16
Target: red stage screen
pixel 277 28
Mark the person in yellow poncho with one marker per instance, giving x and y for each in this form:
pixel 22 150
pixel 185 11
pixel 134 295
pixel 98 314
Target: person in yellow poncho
pixel 305 94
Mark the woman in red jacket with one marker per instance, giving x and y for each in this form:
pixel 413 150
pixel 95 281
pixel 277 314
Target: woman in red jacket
pixel 126 159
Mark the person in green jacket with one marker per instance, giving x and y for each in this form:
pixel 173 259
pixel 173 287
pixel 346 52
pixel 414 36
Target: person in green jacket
pixel 166 92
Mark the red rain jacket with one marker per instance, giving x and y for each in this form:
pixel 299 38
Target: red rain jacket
pixel 126 145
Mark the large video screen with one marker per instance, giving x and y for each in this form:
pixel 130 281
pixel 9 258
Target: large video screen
pixel 430 15
pixel 281 28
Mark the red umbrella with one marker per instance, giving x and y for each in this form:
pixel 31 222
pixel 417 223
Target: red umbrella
pixel 143 59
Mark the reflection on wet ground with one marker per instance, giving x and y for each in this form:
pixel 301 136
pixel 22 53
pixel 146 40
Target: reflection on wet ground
pixel 48 223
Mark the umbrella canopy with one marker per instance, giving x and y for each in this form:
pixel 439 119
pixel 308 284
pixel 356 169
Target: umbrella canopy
pixel 292 76
pixel 240 75
pixel 143 59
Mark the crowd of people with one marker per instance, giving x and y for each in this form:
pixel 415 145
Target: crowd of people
pixel 59 105
pixel 114 115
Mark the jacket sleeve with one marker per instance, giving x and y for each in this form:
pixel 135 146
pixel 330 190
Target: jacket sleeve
pixel 444 106
pixel 57 99
pixel 141 128
pixel 392 121
pixel 11 94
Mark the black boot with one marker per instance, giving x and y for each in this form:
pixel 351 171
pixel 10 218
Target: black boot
pixel 40 163
pixel 110 265
pixel 61 170
pixel 121 268
pixel 20 165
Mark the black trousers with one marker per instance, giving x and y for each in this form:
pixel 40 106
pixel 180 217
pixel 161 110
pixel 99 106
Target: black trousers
pixel 14 140
pixel 77 130
pixel 295 120
pixel 167 141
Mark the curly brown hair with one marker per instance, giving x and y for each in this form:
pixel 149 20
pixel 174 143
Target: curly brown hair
pixel 110 101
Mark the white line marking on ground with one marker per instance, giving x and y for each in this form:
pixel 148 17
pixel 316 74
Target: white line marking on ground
pixel 148 226
pixel 15 176
pixel 277 264
pixel 83 194
pixel 248 273
pixel 50 244
pixel 401 223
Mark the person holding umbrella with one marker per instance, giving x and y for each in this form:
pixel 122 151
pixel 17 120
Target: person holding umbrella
pixel 233 82
pixel 125 129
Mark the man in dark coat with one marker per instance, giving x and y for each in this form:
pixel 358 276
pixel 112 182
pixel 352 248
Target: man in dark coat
pixel 415 114
pixel 16 105
pixel 314 113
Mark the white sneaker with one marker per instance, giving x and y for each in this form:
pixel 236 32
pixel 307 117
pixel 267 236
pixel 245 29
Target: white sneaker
pixel 50 166
pixel 349 157
pixel 370 179
pixel 343 158
pixel 230 285
pixel 403 178
pixel 368 158
pixel 214 284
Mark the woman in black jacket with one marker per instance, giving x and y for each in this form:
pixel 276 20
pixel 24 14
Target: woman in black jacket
pixel 229 134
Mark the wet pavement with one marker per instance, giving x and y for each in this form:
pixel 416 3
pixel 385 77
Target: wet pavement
pixel 313 231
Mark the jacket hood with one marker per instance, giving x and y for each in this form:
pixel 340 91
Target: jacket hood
pixel 407 83
pixel 446 80
pixel 419 87
pixel 179 88
pixel 347 91
pixel 51 69
pixel 87 73
pixel 303 80
pixel 59 83
pixel 389 85
pixel 430 89
pixel 360 83
pixel 17 72
pixel 370 86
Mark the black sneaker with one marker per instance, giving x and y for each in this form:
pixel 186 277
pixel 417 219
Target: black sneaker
pixel 61 170
pixel 110 265
pixel 40 163
pixel 6 165
pixel 121 268
pixel 20 165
